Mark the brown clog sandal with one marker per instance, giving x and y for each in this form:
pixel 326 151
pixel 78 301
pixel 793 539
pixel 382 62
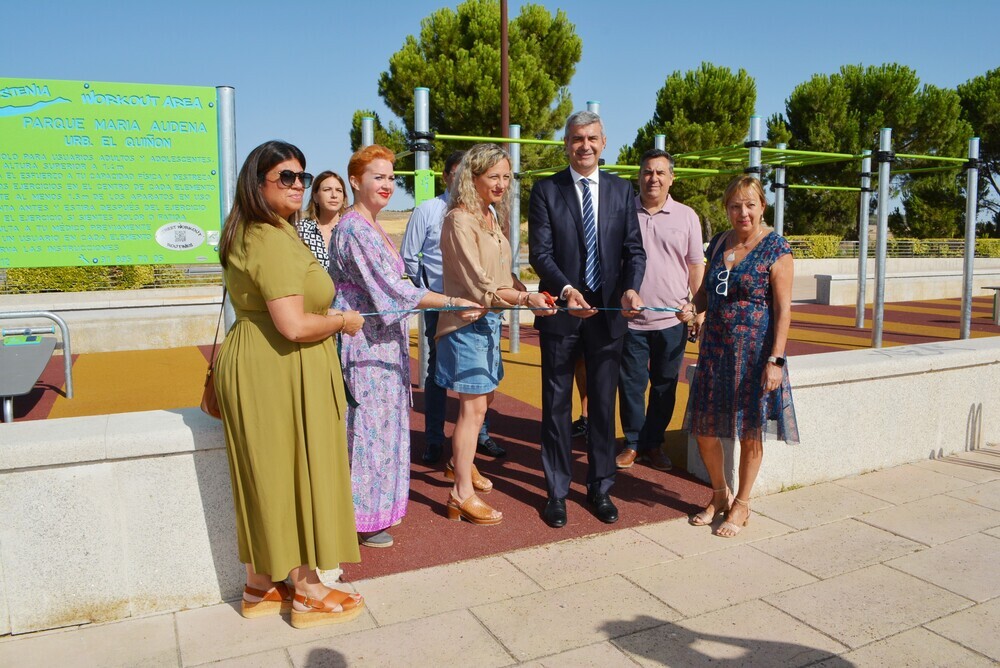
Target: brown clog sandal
pixel 474 510
pixel 322 612
pixel 276 600
pixel 481 484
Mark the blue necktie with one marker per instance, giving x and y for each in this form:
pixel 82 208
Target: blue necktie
pixel 592 273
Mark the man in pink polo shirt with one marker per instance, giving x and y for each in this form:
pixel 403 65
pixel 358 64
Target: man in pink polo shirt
pixel 655 341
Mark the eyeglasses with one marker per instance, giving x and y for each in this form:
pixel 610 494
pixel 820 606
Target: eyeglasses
pixel 287 178
pixel 722 287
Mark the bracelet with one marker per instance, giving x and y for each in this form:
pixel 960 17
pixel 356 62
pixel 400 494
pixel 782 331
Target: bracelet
pixel 522 298
pixel 343 320
pixel 449 302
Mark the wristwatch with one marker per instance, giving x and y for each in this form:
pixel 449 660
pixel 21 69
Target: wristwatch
pixel 776 361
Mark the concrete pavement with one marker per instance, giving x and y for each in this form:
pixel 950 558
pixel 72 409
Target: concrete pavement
pixel 896 567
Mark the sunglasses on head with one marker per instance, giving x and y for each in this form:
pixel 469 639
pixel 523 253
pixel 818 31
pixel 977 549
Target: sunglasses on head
pixel 287 178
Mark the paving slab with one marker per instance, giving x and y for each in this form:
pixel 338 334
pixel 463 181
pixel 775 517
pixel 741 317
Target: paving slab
pixel 431 591
pixel 967 566
pixel 863 606
pixel 934 520
pixel 450 639
pixel 968 466
pixel 680 537
pixel 706 582
pixel 277 658
pixel 987 494
pixel 817 504
pixel 916 648
pixel 902 484
pixel 746 635
pixel 558 620
pixel 993 532
pixel 220 632
pixel 832 549
pixel 976 628
pixel 568 562
pixel 598 655
pixel 148 641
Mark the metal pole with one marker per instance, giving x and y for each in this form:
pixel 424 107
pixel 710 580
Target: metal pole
pixel 884 164
pixel 367 131
pixel 971 195
pixel 660 142
pixel 504 72
pixel 756 137
pixel 422 160
pixel 226 112
pixel 779 196
pixel 863 216
pixel 514 330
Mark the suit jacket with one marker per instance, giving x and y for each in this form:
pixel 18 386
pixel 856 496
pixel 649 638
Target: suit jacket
pixel 557 250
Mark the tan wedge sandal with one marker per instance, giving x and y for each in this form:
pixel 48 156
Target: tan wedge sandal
pixel 481 484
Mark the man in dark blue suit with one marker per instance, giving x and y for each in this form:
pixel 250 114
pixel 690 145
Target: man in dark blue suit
pixel 585 245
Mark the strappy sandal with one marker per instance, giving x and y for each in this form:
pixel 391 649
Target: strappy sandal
pixel 473 509
pixel 275 601
pixel 322 612
pixel 734 528
pixel 705 517
pixel 481 484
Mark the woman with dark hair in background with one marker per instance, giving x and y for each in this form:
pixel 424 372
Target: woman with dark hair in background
pixel 281 395
pixel 327 202
pixel 370 278
pixel 741 388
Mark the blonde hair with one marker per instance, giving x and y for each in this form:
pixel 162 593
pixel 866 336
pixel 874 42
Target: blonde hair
pixel 462 194
pixel 743 185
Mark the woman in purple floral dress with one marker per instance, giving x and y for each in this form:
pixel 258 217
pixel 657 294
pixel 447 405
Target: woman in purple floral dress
pixel 741 387
pixel 370 277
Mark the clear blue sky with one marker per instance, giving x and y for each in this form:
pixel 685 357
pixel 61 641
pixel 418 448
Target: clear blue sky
pixel 301 69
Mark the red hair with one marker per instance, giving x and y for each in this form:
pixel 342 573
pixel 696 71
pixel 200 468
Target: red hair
pixel 364 157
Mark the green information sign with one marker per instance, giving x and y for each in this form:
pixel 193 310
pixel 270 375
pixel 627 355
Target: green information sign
pixel 96 173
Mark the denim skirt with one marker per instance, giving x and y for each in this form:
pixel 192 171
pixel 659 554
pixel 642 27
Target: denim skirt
pixel 468 359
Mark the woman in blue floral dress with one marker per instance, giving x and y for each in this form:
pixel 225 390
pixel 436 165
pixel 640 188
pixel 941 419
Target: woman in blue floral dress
pixel 741 387
pixel 370 278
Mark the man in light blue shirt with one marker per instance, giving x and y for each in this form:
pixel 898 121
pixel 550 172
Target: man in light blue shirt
pixel 421 251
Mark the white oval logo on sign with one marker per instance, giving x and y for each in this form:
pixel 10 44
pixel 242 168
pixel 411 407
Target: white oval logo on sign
pixel 180 236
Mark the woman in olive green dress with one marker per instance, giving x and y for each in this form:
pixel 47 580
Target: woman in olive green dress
pixel 281 395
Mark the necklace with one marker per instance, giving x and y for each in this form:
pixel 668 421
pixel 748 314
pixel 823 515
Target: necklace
pixel 731 256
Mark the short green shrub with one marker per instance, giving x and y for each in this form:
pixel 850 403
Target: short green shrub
pixel 987 247
pixel 815 246
pixel 77 279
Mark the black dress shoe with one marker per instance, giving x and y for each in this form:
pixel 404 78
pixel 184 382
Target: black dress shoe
pixel 580 427
pixel 432 454
pixel 604 508
pixel 491 448
pixel 555 513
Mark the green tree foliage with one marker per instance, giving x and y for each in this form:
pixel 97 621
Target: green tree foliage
pixel 457 56
pixel 392 137
pixel 705 108
pixel 843 113
pixel 935 209
pixel 980 98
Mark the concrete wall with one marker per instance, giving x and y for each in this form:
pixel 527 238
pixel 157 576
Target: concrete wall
pixel 115 516
pixel 126 319
pixel 864 410
pixel 916 277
